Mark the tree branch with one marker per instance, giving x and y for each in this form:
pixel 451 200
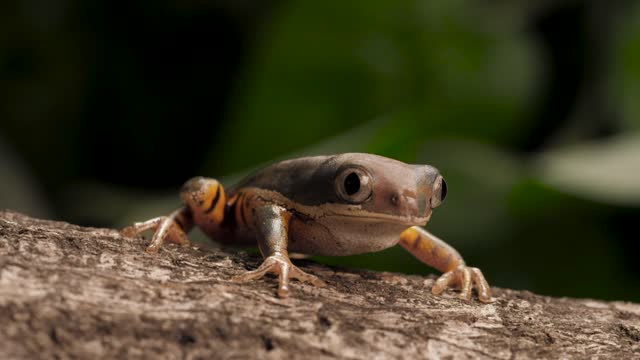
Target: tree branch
pixel 67 291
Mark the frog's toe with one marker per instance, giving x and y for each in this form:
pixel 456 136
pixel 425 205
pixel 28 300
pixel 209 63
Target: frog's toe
pixel 266 267
pixel 167 231
pixel 166 228
pixel 482 286
pixel 279 265
pixel 304 277
pixel 129 231
pixel 464 278
pixel 444 281
pixel 272 264
pixel 292 272
pixel 283 281
pixel 140 227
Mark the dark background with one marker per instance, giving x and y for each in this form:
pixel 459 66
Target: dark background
pixel 531 112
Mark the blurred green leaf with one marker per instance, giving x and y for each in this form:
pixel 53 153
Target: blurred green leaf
pixel 607 171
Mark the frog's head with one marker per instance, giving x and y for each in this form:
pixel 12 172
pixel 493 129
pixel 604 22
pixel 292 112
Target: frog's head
pixel 350 203
pixel 356 203
pixel 385 189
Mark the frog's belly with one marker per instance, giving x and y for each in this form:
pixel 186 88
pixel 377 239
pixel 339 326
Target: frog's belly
pixel 344 236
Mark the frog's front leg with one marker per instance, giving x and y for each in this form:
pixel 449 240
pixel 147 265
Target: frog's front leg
pixel 271 223
pixel 439 255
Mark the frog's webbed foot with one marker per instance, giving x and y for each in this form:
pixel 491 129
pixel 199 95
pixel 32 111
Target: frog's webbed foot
pixel 464 277
pixel 167 228
pixel 280 265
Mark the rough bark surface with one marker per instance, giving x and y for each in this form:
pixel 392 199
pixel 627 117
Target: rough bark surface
pixel 69 291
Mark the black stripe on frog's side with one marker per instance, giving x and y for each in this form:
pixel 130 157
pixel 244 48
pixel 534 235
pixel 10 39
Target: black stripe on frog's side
pixel 184 219
pixel 229 219
pixel 214 202
pixel 242 203
pixel 179 222
pixel 245 207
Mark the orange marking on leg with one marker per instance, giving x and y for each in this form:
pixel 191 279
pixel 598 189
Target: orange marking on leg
pixel 430 250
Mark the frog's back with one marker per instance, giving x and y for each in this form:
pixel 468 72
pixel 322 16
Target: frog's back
pixel 297 179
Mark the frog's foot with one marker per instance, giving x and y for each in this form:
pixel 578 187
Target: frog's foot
pixel 463 277
pixel 167 228
pixel 280 265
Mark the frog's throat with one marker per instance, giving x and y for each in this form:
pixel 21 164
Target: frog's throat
pixel 327 210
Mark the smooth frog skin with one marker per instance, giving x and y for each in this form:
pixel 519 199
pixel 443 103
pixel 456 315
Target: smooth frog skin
pixel 323 205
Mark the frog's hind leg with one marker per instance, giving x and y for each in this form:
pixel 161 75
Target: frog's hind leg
pixel 204 204
pixel 170 228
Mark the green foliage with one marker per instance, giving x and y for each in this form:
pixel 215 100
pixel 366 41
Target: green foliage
pixel 605 171
pixel 433 68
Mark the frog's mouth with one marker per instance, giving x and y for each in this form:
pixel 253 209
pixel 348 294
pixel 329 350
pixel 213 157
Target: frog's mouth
pixel 380 217
pixel 356 213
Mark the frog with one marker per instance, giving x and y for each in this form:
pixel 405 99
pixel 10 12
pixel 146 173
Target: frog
pixel 330 205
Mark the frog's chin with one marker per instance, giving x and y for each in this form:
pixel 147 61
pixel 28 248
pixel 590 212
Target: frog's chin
pixel 334 235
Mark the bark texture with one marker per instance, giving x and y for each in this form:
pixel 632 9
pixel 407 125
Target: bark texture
pixel 69 291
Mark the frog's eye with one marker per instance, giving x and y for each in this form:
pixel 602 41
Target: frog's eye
pixel 354 185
